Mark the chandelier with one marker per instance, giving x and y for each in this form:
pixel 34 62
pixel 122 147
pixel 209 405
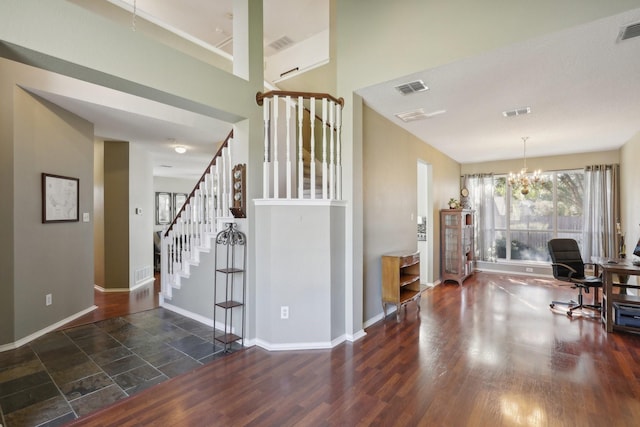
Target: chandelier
pixel 523 179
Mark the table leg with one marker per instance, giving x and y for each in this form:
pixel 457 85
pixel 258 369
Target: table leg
pixel 608 289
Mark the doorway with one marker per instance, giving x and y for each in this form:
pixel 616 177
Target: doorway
pixel 425 222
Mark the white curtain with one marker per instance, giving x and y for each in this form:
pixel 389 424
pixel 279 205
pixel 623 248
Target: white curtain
pixel 601 211
pixel 482 201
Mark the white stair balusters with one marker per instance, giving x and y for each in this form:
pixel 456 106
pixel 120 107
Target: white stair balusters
pixel 193 229
pixel 318 174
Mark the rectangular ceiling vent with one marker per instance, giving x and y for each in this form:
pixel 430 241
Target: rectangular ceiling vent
pixel 517 112
pixel 282 43
pixel 412 87
pixel 419 114
pixel 629 32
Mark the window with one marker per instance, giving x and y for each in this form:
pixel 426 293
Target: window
pixel 553 208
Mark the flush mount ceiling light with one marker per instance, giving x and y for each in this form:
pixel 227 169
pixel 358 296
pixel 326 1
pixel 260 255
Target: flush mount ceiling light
pixel 419 114
pixel 523 179
pixel 180 149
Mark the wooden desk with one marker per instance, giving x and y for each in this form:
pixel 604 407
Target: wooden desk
pixel 609 268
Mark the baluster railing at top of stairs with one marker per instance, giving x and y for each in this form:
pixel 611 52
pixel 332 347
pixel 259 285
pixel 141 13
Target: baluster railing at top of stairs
pixel 197 220
pixel 292 130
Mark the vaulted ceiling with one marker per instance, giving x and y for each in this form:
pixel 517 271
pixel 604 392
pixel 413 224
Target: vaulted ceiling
pixel 582 86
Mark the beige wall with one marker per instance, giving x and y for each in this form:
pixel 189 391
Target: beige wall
pixel 42 138
pixel 390 157
pixel 116 215
pixel 98 213
pixel 630 199
pixel 7 320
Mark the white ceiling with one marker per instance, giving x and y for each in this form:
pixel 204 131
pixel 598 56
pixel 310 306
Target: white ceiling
pixel 582 86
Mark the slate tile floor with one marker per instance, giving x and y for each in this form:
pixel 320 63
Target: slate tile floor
pixel 69 373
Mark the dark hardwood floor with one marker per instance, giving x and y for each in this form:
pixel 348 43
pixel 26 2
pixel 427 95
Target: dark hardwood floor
pixel 114 304
pixel 488 353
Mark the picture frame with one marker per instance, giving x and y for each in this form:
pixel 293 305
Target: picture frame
pixel 164 208
pixel 60 198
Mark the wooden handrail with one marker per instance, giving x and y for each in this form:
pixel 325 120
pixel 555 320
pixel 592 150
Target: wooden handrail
pixel 261 96
pixel 224 144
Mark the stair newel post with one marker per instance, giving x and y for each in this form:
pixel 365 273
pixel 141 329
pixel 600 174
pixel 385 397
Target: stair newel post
pixel 265 163
pixel 332 169
pixel 312 120
pixel 288 106
pixel 276 171
pixel 300 161
pixel 324 148
pixel 338 152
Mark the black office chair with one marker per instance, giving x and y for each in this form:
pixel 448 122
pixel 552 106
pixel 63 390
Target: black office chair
pixel 568 266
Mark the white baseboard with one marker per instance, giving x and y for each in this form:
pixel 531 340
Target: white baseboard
pixel 181 311
pixel 139 285
pixel 296 345
pixel 356 336
pixel 41 332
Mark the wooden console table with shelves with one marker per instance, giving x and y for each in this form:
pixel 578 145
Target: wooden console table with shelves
pixel 401 280
pixel 618 267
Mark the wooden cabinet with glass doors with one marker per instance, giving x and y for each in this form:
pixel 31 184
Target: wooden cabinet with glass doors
pixel 456 245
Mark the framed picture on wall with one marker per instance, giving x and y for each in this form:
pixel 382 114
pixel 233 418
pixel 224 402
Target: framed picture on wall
pixel 60 198
pixel 164 209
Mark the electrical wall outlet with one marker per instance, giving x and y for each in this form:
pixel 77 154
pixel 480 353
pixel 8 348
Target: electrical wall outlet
pixel 528 270
pixel 284 312
pixel 48 299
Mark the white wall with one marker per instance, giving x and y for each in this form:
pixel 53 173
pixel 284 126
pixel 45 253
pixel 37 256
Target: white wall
pixel 301 266
pixel 141 216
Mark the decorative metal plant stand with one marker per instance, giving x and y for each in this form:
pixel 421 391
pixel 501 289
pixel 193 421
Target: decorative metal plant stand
pixel 229 287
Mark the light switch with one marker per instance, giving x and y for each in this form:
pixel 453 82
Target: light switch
pixel 85 217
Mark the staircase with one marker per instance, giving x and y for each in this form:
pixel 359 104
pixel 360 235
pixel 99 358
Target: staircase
pixel 197 223
pixel 208 207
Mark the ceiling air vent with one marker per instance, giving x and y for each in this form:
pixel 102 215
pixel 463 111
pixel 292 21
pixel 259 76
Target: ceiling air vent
pixel 282 43
pixel 629 32
pixel 412 87
pixel 419 114
pixel 517 112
